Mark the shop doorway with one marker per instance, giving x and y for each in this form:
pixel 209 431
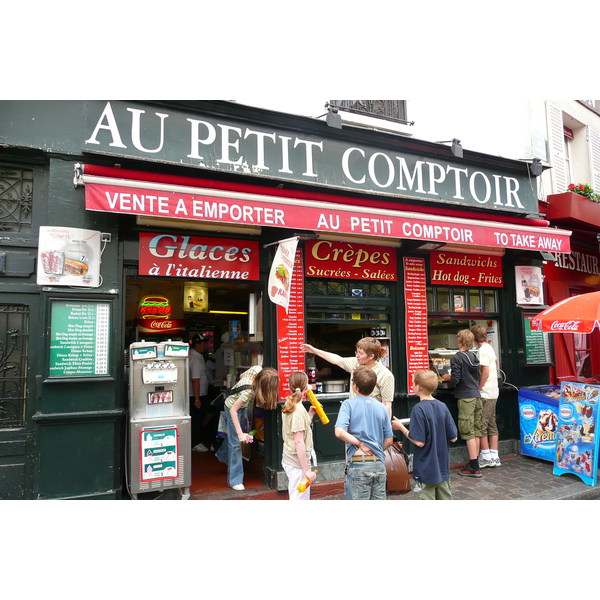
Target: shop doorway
pixel 229 314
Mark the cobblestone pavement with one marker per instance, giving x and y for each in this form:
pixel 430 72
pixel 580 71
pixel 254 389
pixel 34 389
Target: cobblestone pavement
pixel 519 478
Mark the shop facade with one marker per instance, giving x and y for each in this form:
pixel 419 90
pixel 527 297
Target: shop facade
pixel 576 356
pixel 398 239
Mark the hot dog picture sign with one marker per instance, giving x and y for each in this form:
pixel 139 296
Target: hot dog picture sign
pixel 68 256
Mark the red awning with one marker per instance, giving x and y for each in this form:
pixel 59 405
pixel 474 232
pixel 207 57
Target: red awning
pixel 227 206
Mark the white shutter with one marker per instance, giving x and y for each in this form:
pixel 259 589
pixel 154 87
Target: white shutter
pixel 556 141
pixel 594 144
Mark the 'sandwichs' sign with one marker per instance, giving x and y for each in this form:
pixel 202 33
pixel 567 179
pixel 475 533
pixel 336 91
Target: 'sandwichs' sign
pixel 346 260
pixel 173 255
pixel 454 268
pixel 235 146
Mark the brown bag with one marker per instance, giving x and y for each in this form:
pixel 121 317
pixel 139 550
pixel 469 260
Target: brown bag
pixel 396 465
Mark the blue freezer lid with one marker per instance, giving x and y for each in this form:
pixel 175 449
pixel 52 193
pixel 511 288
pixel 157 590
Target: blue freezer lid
pixel 538 394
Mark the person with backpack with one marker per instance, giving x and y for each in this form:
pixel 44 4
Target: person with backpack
pixel 464 367
pixel 262 385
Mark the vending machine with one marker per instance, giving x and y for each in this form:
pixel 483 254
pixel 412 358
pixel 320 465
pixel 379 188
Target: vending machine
pixel 159 420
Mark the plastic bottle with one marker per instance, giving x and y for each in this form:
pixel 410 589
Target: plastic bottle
pixel 318 407
pixel 304 483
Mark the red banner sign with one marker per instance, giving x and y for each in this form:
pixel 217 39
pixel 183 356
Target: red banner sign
pixel 347 260
pixel 456 268
pixel 173 255
pixel 250 209
pixel 415 284
pixel 290 331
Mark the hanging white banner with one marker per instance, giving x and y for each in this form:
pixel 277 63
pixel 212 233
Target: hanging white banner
pixel 281 273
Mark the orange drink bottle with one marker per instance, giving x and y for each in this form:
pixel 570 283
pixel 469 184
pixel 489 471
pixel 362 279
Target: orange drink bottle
pixel 301 487
pixel 318 406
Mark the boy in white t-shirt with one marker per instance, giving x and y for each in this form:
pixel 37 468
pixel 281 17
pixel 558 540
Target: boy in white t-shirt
pixel 488 384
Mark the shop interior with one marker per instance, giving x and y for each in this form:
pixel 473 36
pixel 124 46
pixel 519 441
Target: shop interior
pixel 219 310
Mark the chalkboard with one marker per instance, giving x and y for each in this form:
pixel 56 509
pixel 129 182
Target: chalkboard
pixel 79 338
pixel 537 343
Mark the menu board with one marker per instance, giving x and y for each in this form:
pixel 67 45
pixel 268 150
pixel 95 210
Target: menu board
pixel 79 338
pixel 576 440
pixel 415 283
pixel 537 344
pixel 290 329
pixel 158 449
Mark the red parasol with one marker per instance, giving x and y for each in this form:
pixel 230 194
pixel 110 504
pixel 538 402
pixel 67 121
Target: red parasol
pixel 578 314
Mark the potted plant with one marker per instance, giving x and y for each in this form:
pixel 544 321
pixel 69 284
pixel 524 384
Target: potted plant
pixel 576 207
pixel 583 189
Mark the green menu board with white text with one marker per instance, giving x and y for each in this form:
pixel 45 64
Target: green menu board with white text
pixel 79 338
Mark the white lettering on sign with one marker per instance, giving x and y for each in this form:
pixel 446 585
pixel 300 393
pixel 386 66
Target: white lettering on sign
pixel 437 232
pixel 246 149
pixel 565 326
pixel 578 261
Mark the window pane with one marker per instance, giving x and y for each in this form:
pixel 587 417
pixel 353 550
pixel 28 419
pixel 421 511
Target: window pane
pixel 490 301
pixel 475 301
pixel 443 300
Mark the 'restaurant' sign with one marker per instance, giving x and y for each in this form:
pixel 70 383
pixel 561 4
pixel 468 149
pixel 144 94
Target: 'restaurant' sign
pixel 173 255
pixel 236 146
pixel 454 268
pixel 250 209
pixel 347 260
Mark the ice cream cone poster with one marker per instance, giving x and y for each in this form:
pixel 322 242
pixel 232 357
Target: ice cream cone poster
pixel 577 442
pixel 282 269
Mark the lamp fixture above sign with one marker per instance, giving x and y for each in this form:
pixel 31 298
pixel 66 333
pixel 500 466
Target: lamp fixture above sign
pixel 456 148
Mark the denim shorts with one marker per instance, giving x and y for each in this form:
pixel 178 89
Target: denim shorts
pixel 469 418
pixel 365 480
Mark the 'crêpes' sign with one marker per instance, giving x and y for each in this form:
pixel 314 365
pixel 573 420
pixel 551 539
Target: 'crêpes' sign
pixel 454 268
pixel 347 260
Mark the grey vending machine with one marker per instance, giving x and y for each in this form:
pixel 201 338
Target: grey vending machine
pixel 160 450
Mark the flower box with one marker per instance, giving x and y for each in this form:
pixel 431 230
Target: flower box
pixel 574 210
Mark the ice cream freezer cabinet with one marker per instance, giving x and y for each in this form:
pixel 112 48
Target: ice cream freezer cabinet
pixel 159 444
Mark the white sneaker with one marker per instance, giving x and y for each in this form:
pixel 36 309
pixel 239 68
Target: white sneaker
pixel 200 448
pixel 238 488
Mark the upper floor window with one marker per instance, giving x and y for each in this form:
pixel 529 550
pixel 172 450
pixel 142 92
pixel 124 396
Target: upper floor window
pixel 394 109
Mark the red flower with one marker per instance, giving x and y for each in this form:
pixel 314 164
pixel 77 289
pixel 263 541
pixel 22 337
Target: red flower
pixel 581 187
pixel 572 186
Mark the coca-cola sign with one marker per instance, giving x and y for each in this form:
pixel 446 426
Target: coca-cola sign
pixel 161 325
pixel 565 326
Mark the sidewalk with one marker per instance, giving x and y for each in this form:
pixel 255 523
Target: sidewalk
pixel 519 478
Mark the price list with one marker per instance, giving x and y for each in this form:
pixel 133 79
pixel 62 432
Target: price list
pixel 79 339
pixel 290 329
pixel 416 316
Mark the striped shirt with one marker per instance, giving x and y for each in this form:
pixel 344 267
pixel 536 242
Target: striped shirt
pixel 247 378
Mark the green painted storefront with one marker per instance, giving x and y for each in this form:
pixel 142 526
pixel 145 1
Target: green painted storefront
pixel 66 437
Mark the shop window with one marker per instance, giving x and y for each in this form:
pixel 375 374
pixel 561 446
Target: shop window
pixel 14 336
pixel 16 199
pixel 452 300
pixel 346 289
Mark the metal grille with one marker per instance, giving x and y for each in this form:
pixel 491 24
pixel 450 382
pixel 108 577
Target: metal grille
pixel 16 199
pixel 14 338
pixel 353 289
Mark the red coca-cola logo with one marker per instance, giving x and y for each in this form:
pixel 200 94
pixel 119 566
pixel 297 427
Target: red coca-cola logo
pixel 566 326
pixel 161 324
